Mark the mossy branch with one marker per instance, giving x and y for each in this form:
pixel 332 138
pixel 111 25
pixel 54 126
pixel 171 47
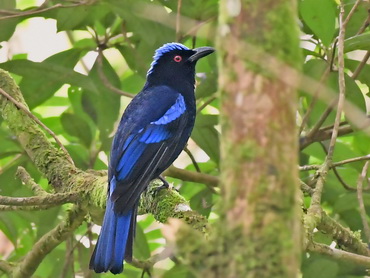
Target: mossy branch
pixel 168 203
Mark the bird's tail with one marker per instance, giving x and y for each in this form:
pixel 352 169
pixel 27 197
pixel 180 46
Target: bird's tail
pixel 115 241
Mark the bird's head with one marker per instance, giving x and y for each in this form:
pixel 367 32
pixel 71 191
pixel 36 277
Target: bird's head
pixel 174 63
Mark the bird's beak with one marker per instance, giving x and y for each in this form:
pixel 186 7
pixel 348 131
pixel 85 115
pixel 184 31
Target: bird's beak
pixel 200 52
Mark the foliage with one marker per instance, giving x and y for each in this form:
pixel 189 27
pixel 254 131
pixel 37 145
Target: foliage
pixel 82 109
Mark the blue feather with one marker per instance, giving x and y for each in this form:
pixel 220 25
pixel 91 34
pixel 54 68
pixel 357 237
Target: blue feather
pixel 173 113
pixel 111 246
pixel 129 159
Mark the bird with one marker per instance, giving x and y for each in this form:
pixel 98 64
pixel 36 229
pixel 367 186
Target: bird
pixel 152 132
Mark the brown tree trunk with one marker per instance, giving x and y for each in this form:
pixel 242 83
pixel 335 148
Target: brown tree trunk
pixel 260 220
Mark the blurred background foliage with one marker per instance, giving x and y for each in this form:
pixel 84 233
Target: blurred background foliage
pixel 81 89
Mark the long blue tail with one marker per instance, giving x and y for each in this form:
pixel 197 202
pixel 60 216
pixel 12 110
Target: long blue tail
pixel 114 242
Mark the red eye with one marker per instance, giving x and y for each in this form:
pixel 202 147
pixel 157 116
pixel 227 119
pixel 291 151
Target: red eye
pixel 177 58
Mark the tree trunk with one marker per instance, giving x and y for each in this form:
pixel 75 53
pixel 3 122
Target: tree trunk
pixel 260 220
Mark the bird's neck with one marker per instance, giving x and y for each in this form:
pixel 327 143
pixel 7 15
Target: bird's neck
pixel 185 86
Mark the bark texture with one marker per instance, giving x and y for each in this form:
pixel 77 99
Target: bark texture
pixel 260 216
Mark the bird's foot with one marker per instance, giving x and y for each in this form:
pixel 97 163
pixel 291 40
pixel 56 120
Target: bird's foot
pixel 165 185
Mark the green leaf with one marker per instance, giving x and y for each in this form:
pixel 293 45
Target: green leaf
pixel 320 16
pixel 358 17
pixel 206 136
pixel 74 125
pixel 207 86
pixel 202 202
pixel 320 268
pixel 102 104
pixel 41 80
pixel 364 75
pixel 179 271
pixel 141 247
pixel 77 18
pixel 7 28
pixel 133 83
pixel 349 201
pixel 7 5
pixel 359 42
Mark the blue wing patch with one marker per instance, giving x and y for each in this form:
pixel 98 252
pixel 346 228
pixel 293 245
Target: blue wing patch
pixel 155 134
pixel 173 113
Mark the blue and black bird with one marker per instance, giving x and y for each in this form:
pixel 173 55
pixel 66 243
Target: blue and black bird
pixel 152 133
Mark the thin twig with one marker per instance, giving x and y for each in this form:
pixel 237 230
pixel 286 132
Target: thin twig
pixel 335 164
pixel 50 199
pixel 365 24
pixel 192 176
pixel 341 80
pixel 69 260
pixel 322 135
pixel 336 173
pixel 351 160
pixel 13 161
pixel 350 14
pixel 363 215
pixel 361 65
pixel 192 158
pixel 342 182
pixel 33 117
pixel 205 104
pixel 25 177
pixel 105 80
pixel 178 19
pixel 322 119
pixel 72 41
pixel 314 100
pixel 38 10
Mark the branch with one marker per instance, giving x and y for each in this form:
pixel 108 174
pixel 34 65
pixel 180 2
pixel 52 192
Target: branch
pixel 50 199
pixel 23 107
pixel 168 203
pixel 192 176
pixel 343 236
pixel 40 9
pixel 48 242
pixel 323 134
pixel 29 182
pixel 363 215
pixel 339 254
pixel 147 264
pixel 5 267
pixel 25 208
pixel 51 162
pixel 342 84
pixel 336 164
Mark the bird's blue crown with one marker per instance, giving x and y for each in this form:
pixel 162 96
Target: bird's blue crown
pixel 163 50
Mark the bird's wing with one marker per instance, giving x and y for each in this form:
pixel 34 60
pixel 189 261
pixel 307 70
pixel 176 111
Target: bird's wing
pixel 147 145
